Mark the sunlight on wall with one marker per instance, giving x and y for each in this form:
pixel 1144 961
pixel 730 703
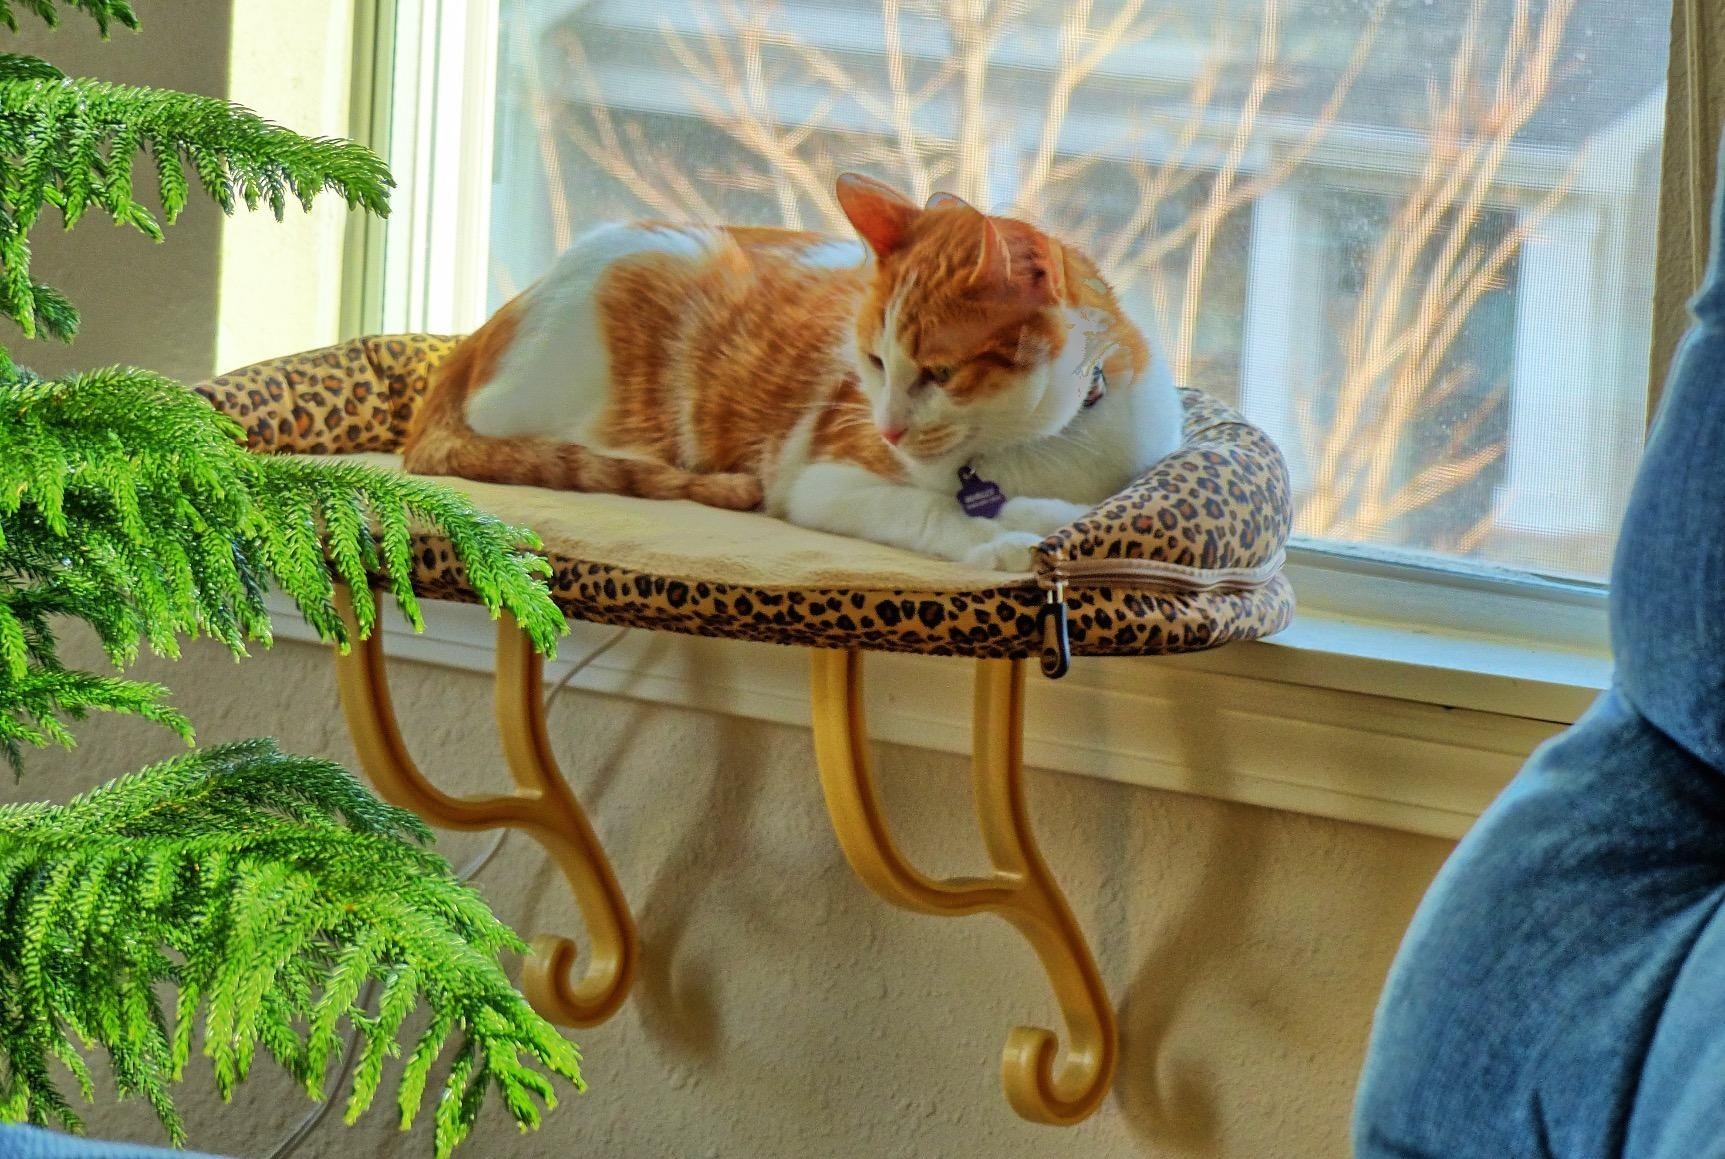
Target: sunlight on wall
pixel 281 283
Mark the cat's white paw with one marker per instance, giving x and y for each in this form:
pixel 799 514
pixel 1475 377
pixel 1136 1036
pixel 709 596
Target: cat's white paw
pixel 1008 551
pixel 1042 516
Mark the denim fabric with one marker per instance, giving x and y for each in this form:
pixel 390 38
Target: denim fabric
pixel 1561 992
pixel 30 1143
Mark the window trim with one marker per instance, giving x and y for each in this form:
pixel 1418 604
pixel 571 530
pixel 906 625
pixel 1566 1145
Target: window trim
pixel 371 97
pixel 1694 120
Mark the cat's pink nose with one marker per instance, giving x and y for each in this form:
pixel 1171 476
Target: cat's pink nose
pixel 892 434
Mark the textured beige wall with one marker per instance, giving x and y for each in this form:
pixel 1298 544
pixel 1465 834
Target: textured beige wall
pixel 220 292
pixel 161 313
pixel 784 1011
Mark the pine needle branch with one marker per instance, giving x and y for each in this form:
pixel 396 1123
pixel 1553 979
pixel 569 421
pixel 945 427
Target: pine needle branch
pixel 127 501
pixel 71 144
pixel 267 889
pixel 16 67
pixel 104 12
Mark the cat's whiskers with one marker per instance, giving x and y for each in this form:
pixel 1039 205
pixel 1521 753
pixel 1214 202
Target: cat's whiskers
pixel 847 411
pixel 933 441
pixel 848 408
pixel 853 418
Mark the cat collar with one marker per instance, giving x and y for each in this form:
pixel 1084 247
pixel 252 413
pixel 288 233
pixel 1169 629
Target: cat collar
pixel 1098 386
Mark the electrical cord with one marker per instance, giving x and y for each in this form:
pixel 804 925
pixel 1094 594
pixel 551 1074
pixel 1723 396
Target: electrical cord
pixel 291 1142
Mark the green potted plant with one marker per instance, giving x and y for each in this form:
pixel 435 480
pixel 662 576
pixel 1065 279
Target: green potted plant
pixel 267 893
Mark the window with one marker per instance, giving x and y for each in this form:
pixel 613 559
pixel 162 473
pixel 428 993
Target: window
pixel 1411 238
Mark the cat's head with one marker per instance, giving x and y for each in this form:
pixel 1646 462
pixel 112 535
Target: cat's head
pixel 977 333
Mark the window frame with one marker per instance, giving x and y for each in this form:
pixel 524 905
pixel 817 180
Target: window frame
pixel 434 135
pixel 1694 120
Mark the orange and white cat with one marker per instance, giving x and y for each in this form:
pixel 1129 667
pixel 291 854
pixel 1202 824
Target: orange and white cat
pixel 959 385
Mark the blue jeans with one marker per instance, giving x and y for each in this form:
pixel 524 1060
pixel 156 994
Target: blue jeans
pixel 31 1143
pixel 1561 992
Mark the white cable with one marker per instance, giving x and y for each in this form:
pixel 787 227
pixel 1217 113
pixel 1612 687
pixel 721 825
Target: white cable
pixel 291 1142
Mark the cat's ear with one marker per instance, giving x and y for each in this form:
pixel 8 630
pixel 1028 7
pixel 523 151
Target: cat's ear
pixel 993 258
pixel 881 214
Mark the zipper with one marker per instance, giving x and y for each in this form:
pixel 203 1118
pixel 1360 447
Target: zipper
pixel 1056 643
pixel 1056 657
pixel 1161 574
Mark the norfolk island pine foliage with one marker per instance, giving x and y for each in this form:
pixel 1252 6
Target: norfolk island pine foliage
pixel 241 890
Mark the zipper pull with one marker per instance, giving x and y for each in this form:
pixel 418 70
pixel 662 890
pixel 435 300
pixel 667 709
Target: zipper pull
pixel 1056 644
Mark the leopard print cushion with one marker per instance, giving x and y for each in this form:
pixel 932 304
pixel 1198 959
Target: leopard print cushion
pixel 359 396
pixel 1220 501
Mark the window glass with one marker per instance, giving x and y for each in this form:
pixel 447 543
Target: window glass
pixel 1413 239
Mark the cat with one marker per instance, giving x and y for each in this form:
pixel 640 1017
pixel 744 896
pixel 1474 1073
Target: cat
pixel 956 384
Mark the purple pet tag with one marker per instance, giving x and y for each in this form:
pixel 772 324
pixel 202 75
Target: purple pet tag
pixel 978 496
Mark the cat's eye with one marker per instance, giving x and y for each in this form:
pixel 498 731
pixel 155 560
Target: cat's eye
pixel 939 375
pixel 874 359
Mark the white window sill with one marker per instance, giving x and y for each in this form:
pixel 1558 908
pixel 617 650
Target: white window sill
pixel 1501 677
pixel 1405 729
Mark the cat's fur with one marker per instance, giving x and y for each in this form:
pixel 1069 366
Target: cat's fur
pixel 836 385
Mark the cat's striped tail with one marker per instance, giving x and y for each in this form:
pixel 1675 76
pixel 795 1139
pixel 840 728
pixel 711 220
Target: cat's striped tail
pixel 533 462
pixel 442 443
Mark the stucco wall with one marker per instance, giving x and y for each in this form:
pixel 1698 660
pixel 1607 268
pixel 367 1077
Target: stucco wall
pixel 162 313
pixel 782 1010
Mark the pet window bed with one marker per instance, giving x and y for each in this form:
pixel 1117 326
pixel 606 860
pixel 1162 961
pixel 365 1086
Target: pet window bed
pixel 1187 557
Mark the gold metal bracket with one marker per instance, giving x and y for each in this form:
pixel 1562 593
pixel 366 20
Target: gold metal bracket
pixel 542 806
pixel 1040 1085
